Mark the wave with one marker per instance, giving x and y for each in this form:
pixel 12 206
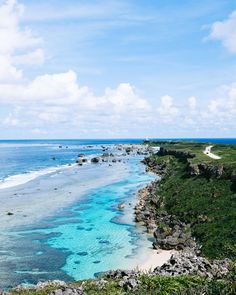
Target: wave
pixel 23 178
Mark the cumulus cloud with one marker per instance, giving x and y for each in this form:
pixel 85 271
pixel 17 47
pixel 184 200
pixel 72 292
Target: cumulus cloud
pixel 192 102
pixel 8 72
pixel 59 103
pixel 167 110
pixel 225 31
pixel 60 99
pixel 11 120
pixel 13 39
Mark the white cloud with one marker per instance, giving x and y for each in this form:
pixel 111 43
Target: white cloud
pixel 167 110
pixel 192 101
pixel 225 31
pixel 8 73
pixel 125 99
pixel 58 103
pixel 36 57
pixel 59 99
pixel 12 37
pixel 11 120
pixel 38 131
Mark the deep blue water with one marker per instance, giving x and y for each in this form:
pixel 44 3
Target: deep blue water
pixel 81 239
pixel 89 236
pixel 22 156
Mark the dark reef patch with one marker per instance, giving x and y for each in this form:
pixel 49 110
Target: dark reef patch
pixel 84 253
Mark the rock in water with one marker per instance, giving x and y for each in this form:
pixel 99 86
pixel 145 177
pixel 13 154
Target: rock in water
pixel 95 160
pixel 121 206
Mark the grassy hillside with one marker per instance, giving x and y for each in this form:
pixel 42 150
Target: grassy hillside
pixel 161 285
pixel 208 203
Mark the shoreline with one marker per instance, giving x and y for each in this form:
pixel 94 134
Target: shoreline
pixel 152 258
pixel 30 205
pixel 168 257
pixel 173 238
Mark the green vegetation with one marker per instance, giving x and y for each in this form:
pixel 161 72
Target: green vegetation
pixel 207 203
pixel 227 152
pixel 161 285
pixel 26 291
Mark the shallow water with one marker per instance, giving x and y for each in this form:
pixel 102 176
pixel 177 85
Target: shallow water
pixel 82 237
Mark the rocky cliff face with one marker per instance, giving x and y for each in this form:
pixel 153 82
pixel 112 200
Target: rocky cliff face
pixel 169 232
pixel 206 170
pixel 178 154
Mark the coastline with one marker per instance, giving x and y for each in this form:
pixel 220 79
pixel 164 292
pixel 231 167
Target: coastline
pixel 150 258
pixel 173 239
pixel 42 197
pixel 168 257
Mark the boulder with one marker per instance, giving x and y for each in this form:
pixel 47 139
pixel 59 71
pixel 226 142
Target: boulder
pixel 79 162
pixel 121 206
pixel 128 150
pixel 95 160
pixel 188 263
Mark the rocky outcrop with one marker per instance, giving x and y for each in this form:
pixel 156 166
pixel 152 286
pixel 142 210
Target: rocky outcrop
pixel 181 263
pixel 153 166
pixel 188 263
pixel 206 170
pixel 173 234
pixel 203 169
pixel 144 212
pixel 95 160
pixel 183 155
pixel 169 232
pixel 105 155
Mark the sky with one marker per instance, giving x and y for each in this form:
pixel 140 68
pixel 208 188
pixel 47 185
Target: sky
pixel 117 69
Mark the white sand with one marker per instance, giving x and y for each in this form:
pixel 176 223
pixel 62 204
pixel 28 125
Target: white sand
pixel 151 258
pixel 207 152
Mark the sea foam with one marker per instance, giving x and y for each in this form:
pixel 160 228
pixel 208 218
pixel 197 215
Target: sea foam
pixel 19 179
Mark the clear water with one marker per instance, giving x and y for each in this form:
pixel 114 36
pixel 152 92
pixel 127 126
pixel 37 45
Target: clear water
pixel 86 236
pixel 23 156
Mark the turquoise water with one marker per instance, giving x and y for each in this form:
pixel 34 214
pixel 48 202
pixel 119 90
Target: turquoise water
pixel 93 233
pixel 19 157
pixel 69 226
pixel 79 240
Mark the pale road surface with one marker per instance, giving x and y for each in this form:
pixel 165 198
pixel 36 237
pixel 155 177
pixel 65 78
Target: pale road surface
pixel 207 152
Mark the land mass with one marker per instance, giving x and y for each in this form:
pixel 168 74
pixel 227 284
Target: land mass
pixel 190 209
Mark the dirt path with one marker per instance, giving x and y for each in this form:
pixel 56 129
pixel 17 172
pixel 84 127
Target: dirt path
pixel 207 152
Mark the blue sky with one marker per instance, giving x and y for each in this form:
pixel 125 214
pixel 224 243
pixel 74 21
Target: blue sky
pixel 92 69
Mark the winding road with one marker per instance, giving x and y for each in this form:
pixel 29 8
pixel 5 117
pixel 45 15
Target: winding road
pixel 207 152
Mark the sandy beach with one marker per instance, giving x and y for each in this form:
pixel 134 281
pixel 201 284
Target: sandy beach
pixel 152 258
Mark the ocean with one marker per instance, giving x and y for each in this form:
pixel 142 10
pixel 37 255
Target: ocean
pixel 61 221
pixel 66 224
